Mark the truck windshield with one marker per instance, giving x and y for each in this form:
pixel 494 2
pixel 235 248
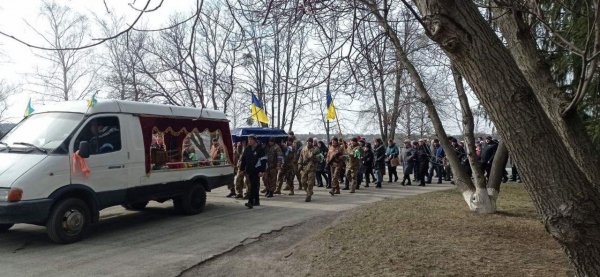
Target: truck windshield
pixel 45 131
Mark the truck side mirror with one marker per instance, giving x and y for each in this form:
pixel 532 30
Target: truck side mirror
pixel 84 149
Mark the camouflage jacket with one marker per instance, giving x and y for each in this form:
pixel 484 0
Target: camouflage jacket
pixel 334 155
pixel 237 153
pixel 354 155
pixel 274 156
pixel 309 158
pixel 289 156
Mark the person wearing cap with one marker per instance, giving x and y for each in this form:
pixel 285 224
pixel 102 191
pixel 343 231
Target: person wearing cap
pixel 435 161
pixel 408 161
pixel 392 153
pixel 367 161
pixel 241 179
pixel 307 163
pixel 274 161
pixel 253 163
pixel 321 169
pixel 334 162
pixel 286 173
pixel 423 155
pixel 361 168
pixel 353 158
pixel 298 147
pixel 379 161
pixel 237 152
pixel 460 152
pixel 487 154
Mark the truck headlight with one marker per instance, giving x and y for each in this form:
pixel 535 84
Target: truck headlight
pixel 11 194
pixel 4 195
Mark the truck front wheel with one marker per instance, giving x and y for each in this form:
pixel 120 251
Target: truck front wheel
pixel 192 202
pixel 68 221
pixel 5 227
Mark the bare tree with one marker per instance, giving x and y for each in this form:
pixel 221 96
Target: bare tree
pixel 6 90
pixel 70 74
pixel 122 68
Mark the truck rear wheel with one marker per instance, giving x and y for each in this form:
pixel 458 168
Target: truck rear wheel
pixel 192 202
pixel 68 221
pixel 138 206
pixel 5 227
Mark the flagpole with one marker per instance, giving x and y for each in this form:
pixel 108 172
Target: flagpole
pixel 339 127
pixel 328 139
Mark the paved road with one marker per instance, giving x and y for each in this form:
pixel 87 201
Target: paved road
pixel 157 242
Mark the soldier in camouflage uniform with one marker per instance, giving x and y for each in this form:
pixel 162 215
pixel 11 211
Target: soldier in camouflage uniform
pixel 353 158
pixel 298 147
pixel 335 161
pixel 286 173
pixel 307 163
pixel 241 180
pixel 274 160
pixel 237 153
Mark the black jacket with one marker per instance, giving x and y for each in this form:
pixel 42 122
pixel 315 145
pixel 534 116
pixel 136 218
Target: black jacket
pixel 487 155
pixel 423 154
pixel 368 158
pixel 379 156
pixel 254 160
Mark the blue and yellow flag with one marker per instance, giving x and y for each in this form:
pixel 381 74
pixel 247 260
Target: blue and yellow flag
pixel 330 107
pixel 92 101
pixel 258 112
pixel 29 110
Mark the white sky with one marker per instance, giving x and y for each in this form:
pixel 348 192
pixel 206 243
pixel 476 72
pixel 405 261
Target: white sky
pixel 17 60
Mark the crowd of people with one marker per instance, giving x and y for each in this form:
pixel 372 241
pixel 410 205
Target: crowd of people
pixel 348 163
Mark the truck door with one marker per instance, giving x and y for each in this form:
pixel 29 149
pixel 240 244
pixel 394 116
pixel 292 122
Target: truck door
pixel 108 158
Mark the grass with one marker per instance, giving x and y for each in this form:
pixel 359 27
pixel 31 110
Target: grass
pixel 434 234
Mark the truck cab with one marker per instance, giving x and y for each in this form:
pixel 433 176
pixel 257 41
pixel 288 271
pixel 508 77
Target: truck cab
pixel 62 165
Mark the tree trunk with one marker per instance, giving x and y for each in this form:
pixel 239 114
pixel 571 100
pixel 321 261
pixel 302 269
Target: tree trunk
pixel 497 172
pixel 482 200
pixel 568 202
pixel 537 72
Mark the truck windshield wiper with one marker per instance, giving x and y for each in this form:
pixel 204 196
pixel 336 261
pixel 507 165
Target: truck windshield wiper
pixel 32 145
pixel 6 145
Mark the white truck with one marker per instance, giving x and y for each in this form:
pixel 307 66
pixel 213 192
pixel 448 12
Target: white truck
pixel 63 164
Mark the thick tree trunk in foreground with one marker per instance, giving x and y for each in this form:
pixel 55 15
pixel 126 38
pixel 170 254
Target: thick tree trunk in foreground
pixel 568 202
pixel 523 47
